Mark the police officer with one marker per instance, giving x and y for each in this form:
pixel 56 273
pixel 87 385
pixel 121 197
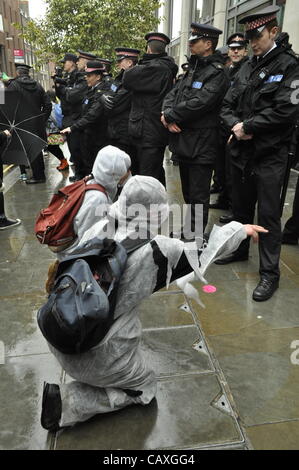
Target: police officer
pixel 118 105
pixel 71 92
pixel 83 58
pixel 150 81
pixel 191 114
pixel 41 104
pixel 92 125
pixel 260 112
pixel 237 53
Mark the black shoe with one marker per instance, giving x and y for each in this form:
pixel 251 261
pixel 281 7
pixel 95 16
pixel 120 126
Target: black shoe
pixel 6 223
pixel 51 407
pixel 289 239
pixel 222 205
pixel 264 290
pixel 215 189
pixel 226 219
pixel 234 258
pixel 35 181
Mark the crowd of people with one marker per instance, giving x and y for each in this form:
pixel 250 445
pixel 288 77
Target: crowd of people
pixel 228 114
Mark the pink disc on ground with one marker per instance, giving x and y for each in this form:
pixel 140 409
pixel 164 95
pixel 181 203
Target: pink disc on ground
pixel 209 289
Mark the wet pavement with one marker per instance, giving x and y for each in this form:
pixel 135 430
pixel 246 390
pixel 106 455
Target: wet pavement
pixel 225 376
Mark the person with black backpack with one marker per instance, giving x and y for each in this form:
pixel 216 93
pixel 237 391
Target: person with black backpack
pixel 113 374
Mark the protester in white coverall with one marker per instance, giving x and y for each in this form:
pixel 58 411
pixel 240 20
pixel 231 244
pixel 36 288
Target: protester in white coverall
pixel 115 374
pixel 110 167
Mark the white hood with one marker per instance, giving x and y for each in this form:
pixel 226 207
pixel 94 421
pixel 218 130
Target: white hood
pixel 109 167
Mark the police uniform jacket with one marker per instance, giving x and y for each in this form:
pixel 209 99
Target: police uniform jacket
pixel 150 81
pixel 263 98
pixel 194 105
pixel 71 96
pixel 118 116
pixel 93 122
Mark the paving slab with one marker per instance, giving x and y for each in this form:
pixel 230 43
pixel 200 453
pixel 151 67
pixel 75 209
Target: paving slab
pixel 170 351
pixel 21 383
pixel 164 310
pixel 260 374
pixel 180 417
pixel 278 436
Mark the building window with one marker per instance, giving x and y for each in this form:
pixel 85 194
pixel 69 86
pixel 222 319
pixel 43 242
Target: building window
pixel 176 12
pixel 198 10
pixel 234 17
pixel 208 9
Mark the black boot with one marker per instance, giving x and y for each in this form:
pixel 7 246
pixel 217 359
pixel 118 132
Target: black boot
pixel 265 289
pixel 51 407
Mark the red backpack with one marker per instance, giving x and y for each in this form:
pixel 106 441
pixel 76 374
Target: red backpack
pixel 54 225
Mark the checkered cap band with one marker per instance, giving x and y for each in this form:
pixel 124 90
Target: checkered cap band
pixel 259 22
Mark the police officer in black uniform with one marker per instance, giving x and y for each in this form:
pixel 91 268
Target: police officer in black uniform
pixel 237 53
pixel 92 125
pixel 191 113
pixel 150 81
pixel 71 92
pixel 118 105
pixel 260 112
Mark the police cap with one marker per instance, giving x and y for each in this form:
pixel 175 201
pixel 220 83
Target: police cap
pixel 71 57
pixel 94 66
pixel 86 55
pixel 204 31
pixel 237 40
pixel 126 53
pixel 256 23
pixel 157 37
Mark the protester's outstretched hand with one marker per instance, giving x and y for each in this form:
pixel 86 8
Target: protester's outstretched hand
pixel 254 230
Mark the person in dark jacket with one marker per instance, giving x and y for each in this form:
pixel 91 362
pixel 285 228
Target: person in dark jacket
pixel 191 114
pixel 150 81
pixel 41 104
pixel 237 53
pixel 118 105
pixel 71 92
pixel 5 222
pixel 260 111
pixel 92 125
pixel 107 76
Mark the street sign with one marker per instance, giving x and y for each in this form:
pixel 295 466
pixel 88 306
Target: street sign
pixel 19 56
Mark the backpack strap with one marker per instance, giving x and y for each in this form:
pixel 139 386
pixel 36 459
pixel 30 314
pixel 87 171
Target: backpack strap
pixel 94 187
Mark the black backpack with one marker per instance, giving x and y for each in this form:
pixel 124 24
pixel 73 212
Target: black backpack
pixel 80 309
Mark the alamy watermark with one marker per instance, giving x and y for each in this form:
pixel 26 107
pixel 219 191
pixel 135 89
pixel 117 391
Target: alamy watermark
pixel 295 354
pixel 138 220
pixel 295 93
pixel 2 353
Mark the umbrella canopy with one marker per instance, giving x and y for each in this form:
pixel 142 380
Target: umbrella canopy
pixel 26 123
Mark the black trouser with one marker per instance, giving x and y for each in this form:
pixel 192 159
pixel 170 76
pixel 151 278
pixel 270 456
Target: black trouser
pixel 292 226
pixel 150 162
pixel 262 186
pixel 73 142
pixel 225 195
pixel 38 167
pixel 131 151
pixel 2 211
pixel 56 151
pixel 196 182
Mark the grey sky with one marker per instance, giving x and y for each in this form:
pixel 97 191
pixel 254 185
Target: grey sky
pixel 37 8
